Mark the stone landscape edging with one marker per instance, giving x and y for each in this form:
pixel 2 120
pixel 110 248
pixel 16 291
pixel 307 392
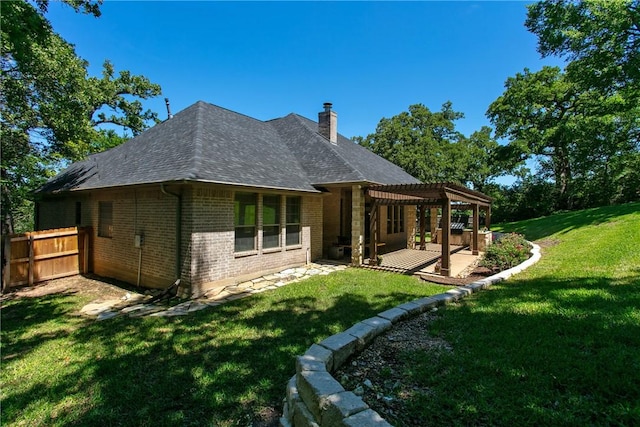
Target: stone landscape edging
pixel 314 398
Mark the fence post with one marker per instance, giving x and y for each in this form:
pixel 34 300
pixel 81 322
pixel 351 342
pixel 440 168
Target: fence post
pixel 6 262
pixel 31 260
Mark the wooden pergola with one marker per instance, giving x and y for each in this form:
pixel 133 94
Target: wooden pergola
pixel 433 196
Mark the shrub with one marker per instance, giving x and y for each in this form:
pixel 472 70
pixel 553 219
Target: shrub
pixel 509 251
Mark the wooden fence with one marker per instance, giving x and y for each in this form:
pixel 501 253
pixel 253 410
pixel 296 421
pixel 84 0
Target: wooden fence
pixel 43 255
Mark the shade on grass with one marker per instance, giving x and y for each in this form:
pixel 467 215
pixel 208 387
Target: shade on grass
pixel 556 345
pixel 219 366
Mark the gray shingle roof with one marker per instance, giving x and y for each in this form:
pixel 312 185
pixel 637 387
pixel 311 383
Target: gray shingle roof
pixel 208 143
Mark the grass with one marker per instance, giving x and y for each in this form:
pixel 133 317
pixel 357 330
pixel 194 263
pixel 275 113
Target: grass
pixel 222 366
pixel 556 345
pixel 427 237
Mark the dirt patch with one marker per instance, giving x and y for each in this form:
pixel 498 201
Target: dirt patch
pixel 95 287
pixel 546 243
pixel 378 373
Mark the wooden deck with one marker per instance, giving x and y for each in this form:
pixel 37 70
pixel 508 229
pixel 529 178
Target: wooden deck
pixel 411 261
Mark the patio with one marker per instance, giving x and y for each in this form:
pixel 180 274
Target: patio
pixel 420 262
pixel 434 196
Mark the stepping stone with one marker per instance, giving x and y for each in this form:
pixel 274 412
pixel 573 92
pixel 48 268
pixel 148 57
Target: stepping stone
pixel 238 296
pixel 107 315
pixel 147 311
pixel 263 285
pixel 220 296
pixel 132 308
pixel 167 313
pixel 197 306
pixel 245 285
pixel 95 308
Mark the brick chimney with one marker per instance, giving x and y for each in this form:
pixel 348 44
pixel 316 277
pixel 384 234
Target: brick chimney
pixel 328 123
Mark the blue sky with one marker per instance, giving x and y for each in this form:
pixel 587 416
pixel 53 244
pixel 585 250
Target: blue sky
pixel 268 59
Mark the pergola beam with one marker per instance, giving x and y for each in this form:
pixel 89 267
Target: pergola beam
pixel 446 196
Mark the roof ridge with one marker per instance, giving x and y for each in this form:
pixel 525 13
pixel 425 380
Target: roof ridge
pixel 201 102
pixel 270 123
pixel 332 146
pixel 197 140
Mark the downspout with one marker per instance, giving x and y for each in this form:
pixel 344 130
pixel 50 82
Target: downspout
pixel 135 233
pixel 178 230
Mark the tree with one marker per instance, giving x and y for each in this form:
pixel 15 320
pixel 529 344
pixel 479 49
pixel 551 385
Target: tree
pixel 479 152
pixel 51 110
pixel 538 112
pixel 428 146
pixel 581 124
pixel 600 38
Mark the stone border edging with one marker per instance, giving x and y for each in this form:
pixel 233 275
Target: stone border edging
pixel 314 398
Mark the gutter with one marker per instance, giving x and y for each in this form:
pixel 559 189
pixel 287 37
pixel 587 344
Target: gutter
pixel 178 228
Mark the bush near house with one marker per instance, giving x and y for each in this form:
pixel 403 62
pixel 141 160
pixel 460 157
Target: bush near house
pixel 507 252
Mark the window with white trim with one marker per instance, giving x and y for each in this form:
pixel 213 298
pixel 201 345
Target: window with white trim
pixel 245 212
pixel 271 221
pixel 293 208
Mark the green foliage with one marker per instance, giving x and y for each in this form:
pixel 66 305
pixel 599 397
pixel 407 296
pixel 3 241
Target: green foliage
pixel 222 366
pixel 600 38
pixel 511 250
pixel 428 146
pixel 51 110
pixel 529 197
pixel 583 123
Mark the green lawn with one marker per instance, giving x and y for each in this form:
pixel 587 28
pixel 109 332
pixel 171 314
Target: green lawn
pixel 220 366
pixel 556 345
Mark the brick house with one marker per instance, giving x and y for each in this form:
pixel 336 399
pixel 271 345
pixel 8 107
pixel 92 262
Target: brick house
pixel 212 196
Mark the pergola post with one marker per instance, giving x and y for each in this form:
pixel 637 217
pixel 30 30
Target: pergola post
pixel 430 196
pixel 374 232
pixel 357 224
pixel 476 225
pixel 434 224
pixel 422 211
pixel 445 263
pixel 487 218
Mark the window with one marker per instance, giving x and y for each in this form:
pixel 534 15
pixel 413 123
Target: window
pixel 395 219
pixel 245 222
pixel 271 221
pixel 293 221
pixel 105 219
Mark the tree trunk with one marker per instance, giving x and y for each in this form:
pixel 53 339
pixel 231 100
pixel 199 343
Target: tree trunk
pixel 563 178
pixel 7 227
